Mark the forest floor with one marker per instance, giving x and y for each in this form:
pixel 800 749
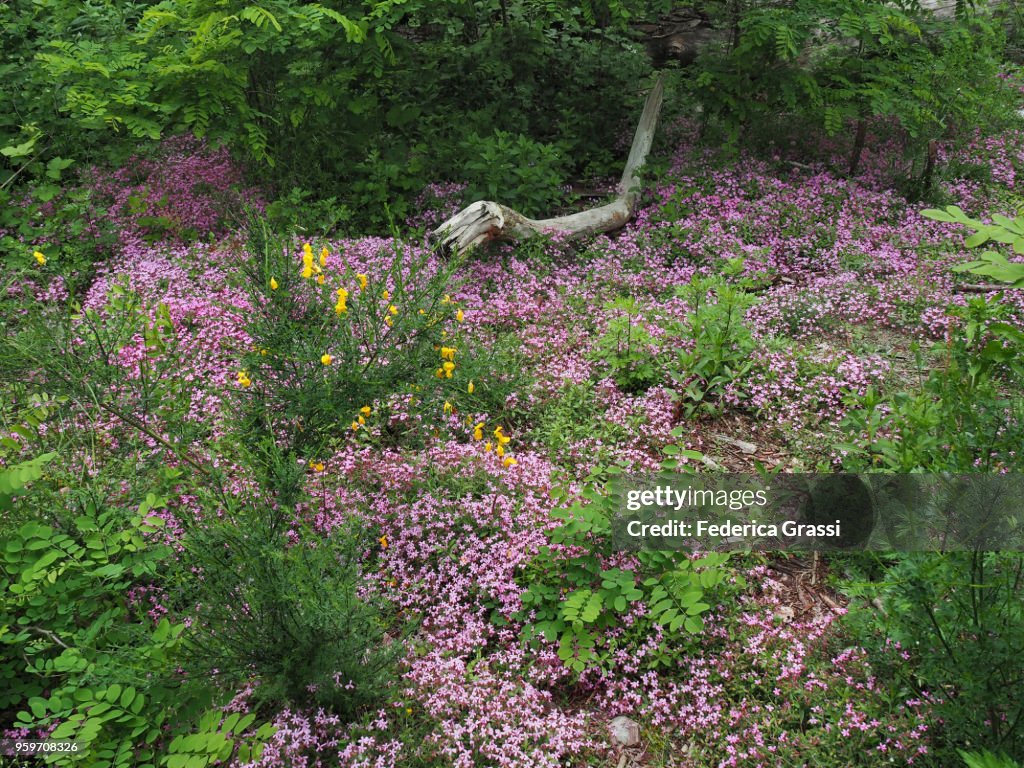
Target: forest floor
pixel 803 291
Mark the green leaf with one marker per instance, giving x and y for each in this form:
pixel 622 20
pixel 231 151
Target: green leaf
pixel 697 608
pixel 19 150
pixel 937 215
pixel 260 17
pixel 127 697
pixel 38 707
pixel 978 238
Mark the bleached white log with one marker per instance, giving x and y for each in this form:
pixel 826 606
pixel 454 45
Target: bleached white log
pixel 486 220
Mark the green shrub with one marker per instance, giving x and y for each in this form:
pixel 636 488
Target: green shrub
pixel 68 225
pixel 281 604
pixel 301 210
pixel 712 347
pixel 75 656
pixel 968 415
pixel 959 618
pixel 515 170
pixel 627 350
pixel 325 351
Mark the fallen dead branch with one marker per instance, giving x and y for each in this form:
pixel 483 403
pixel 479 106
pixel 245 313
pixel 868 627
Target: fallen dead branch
pixel 485 220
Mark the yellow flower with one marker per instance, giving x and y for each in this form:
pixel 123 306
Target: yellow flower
pixel 393 309
pixel 502 439
pixel 509 461
pixel 342 294
pixel 38 256
pixel 408 710
pixel 470 388
pixel 309 268
pixel 273 284
pixel 478 431
pixel 307 249
pixel 498 430
pixel 389 321
pixel 385 295
pixel 363 280
pixel 448 368
pixel 383 542
pixel 355 425
pixel 447 299
pixel 263 352
pixel 500 450
pixel 459 317
pixel 447 407
pixel 366 410
pixel 320 279
pixel 243 379
pixel 316 466
pixel 487 446
pixel 341 308
pixel 362 421
pixel 448 353
pixel 439 373
pixel 323 257
pixel 326 359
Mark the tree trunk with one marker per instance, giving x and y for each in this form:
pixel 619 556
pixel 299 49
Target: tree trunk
pixel 485 220
pixel 929 166
pixel 858 146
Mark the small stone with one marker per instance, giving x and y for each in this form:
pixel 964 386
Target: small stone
pixel 624 731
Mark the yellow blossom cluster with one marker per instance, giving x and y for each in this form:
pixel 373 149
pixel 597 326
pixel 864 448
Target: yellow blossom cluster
pixel 39 257
pixel 447 363
pixel 309 267
pixel 497 445
pixel 360 421
pixel 243 379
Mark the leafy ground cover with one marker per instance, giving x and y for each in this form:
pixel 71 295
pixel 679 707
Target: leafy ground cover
pixel 297 500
